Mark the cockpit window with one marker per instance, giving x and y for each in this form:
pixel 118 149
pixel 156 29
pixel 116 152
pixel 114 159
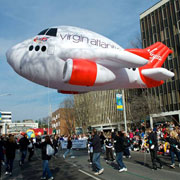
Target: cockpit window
pixel 52 32
pixel 43 32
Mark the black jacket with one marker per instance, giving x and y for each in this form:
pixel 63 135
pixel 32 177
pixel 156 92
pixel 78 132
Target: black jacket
pixel 96 144
pixel 173 143
pixel 43 151
pixel 69 144
pixel 152 140
pixel 10 149
pixel 118 144
pixel 23 143
pixel 126 143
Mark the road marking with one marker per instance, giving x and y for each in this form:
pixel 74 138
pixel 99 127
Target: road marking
pixel 89 174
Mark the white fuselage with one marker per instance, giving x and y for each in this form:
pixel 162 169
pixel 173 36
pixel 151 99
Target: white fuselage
pixel 42 58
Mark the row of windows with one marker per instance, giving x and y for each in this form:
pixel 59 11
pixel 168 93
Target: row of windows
pixel 37 48
pixel 163 19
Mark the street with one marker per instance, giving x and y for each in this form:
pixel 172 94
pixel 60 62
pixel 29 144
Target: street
pixel 139 167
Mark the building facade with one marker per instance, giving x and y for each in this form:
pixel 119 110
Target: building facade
pixel 5 118
pixel 16 128
pixel 98 110
pixel 8 127
pixel 63 121
pixel 161 23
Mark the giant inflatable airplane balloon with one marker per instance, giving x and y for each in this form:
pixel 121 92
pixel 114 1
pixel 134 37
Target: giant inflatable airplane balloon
pixel 74 60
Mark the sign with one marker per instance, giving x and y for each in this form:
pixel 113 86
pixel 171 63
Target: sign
pixel 119 102
pixel 0 116
pixel 76 144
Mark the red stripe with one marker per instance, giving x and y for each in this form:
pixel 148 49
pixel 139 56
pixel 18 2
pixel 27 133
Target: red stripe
pixel 149 82
pixel 84 72
pixel 140 52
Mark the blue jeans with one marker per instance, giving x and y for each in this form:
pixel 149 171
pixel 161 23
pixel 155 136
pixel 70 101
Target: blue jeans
pixel 46 169
pixel 96 161
pixel 119 159
pixel 9 164
pixel 126 152
pixel 23 155
pixel 172 156
pixel 68 151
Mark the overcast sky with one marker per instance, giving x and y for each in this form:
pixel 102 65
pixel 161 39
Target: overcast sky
pixel 22 19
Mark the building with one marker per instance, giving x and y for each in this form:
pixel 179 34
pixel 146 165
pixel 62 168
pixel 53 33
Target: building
pixel 7 127
pixel 5 118
pixel 16 128
pixel 98 110
pixel 161 22
pixel 63 121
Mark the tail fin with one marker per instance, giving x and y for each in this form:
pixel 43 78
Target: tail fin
pixel 156 54
pixel 152 74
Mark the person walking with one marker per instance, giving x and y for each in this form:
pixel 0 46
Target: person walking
pixel 55 145
pixel 46 158
pixel 102 139
pixel 23 143
pixel 127 145
pixel 119 148
pixel 173 141
pixel 10 147
pixel 90 149
pixel 109 147
pixel 69 148
pixel 153 147
pixel 31 149
pixel 97 153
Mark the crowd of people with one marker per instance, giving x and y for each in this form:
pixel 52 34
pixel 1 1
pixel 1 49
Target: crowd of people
pixel 164 139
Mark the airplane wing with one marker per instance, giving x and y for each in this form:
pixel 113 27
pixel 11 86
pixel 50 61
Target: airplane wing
pixel 157 74
pixel 123 58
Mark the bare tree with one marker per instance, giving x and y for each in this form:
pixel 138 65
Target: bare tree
pixel 82 110
pixel 137 42
pixel 68 114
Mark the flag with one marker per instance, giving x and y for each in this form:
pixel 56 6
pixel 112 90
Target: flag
pixel 0 117
pixel 119 102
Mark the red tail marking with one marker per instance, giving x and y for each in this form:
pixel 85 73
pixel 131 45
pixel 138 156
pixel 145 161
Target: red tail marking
pixel 158 54
pixel 140 52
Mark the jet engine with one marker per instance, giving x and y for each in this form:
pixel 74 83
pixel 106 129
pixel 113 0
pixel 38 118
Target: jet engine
pixel 84 72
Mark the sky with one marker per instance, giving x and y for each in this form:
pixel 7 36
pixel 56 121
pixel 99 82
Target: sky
pixel 23 19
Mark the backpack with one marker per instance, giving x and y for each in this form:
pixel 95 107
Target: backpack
pixel 49 150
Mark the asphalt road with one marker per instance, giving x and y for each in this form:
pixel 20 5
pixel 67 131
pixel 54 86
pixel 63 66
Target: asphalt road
pixel 139 167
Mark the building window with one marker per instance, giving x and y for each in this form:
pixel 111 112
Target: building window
pixel 144 43
pixel 174 98
pixel 178 26
pixel 164 15
pixel 142 26
pixel 166 33
pixel 177 7
pixel 170 57
pixel 154 37
pixel 152 20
